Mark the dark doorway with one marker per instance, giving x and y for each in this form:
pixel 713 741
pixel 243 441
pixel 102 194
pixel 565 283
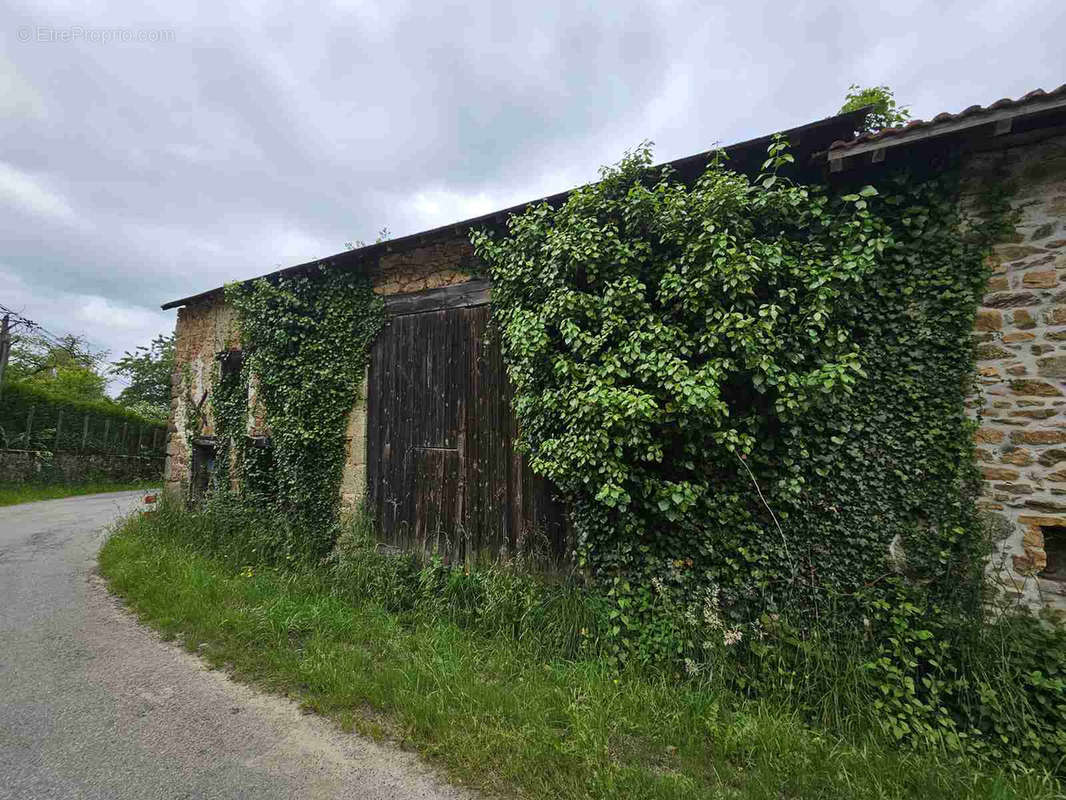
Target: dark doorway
pixel 203 468
pixel 1055 549
pixel 230 363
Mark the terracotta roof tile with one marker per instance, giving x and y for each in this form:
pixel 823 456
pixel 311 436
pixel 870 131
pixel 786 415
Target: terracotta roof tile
pixel 914 124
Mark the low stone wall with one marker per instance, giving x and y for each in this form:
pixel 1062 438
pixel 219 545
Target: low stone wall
pixel 41 466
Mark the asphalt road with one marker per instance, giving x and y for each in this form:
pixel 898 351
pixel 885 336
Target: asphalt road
pixel 92 705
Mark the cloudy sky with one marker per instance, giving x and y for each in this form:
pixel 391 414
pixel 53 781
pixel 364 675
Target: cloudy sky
pixel 221 141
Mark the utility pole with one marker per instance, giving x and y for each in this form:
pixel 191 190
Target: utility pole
pixel 5 346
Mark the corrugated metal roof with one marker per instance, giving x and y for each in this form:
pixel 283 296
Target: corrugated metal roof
pixel 974 113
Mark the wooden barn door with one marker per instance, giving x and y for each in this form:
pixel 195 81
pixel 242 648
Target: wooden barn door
pixel 443 475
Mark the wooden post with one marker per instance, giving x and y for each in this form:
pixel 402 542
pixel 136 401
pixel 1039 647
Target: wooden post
pixel 85 431
pixel 59 428
pixel 29 425
pixel 140 437
pixel 122 439
pixel 107 433
pixel 5 345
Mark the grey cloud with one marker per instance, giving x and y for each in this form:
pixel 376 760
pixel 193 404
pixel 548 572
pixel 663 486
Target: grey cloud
pixel 271 134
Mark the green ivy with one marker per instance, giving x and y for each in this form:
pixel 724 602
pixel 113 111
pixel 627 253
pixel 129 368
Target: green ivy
pixel 229 407
pixel 747 391
pixel 751 395
pixel 306 341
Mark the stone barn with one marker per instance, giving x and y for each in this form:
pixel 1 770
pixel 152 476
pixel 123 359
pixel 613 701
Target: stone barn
pixel 430 442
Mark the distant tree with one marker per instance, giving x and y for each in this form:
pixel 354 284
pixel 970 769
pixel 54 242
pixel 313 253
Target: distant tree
pixel 886 114
pixel 148 369
pixel 66 367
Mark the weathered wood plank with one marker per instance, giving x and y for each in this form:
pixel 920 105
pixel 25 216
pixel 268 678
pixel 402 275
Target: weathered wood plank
pixel 461 295
pixel 443 472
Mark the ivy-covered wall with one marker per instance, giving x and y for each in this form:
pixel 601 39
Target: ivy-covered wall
pixel 206 328
pixel 202 331
pixel 1020 335
pixel 1021 349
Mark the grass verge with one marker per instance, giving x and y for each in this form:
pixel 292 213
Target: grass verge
pixel 14 494
pixel 496 715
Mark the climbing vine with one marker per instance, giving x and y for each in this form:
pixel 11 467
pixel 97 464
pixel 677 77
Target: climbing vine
pixel 229 407
pixel 306 340
pixel 749 392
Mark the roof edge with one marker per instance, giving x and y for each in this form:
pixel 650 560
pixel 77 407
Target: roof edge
pixel 1002 111
pixel 361 254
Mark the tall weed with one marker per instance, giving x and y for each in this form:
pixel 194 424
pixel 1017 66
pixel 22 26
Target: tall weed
pixel 910 673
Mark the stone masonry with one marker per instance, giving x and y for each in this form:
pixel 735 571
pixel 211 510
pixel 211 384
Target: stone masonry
pixel 1021 347
pixel 41 466
pixel 207 328
pixel 202 331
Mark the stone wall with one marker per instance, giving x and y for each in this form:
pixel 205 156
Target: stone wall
pixel 1021 347
pixel 353 478
pixel 204 329
pixel 429 267
pixel 41 466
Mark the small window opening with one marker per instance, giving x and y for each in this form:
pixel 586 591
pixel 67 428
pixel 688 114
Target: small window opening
pixel 1055 549
pixel 231 362
pixel 203 469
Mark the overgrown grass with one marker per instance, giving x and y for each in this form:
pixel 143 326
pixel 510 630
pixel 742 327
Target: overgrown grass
pixel 490 702
pixel 14 493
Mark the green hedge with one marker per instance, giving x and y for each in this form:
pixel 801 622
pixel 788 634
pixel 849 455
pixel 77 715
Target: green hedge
pixel 30 416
